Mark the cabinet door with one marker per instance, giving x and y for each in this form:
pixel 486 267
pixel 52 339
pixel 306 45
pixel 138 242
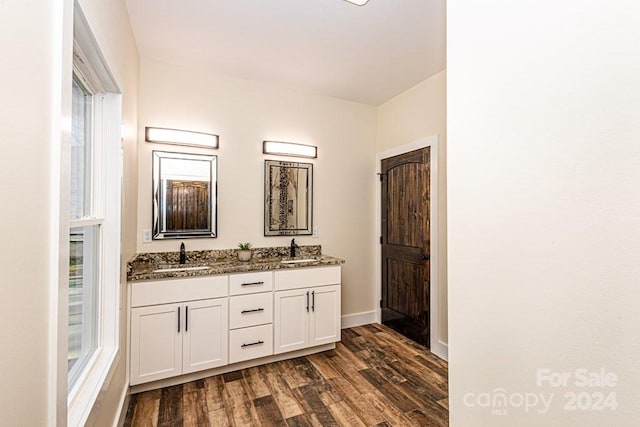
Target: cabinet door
pixel 291 320
pixel 156 343
pixel 325 315
pixel 205 334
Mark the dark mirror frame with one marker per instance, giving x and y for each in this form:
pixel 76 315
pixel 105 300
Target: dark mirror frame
pixel 271 205
pixel 160 207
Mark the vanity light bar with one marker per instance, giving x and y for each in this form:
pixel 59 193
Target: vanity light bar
pixel 181 137
pixel 289 149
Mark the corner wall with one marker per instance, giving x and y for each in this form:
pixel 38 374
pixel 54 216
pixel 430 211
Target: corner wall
pixel 544 211
pixel 244 114
pixel 28 93
pixel 420 112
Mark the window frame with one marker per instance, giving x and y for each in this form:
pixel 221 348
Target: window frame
pixel 94 216
pixel 90 67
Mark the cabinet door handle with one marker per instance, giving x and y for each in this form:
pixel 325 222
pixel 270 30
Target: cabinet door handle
pixel 186 318
pixel 307 301
pixel 178 319
pixel 252 343
pixel 252 283
pixel 251 311
pixel 313 301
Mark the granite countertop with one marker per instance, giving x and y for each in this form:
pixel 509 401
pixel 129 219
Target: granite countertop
pixel 164 265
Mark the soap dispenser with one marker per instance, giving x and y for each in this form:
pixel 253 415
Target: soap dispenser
pixel 183 255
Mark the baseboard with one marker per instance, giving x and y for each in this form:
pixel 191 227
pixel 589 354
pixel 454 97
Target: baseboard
pixel 358 319
pixel 124 405
pixel 440 349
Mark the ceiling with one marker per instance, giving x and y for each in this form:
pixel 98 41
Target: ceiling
pixel 366 54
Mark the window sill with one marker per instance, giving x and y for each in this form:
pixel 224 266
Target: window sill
pixel 83 396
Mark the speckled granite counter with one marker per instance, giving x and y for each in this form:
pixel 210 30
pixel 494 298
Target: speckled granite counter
pixel 164 265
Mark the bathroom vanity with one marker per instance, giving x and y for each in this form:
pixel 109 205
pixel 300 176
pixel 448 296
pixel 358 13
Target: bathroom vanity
pixel 215 314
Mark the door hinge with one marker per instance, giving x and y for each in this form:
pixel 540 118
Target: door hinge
pixel 380 239
pixel 380 303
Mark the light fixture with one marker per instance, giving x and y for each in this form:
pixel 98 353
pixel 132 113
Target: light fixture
pixel 289 149
pixel 181 137
pixel 358 2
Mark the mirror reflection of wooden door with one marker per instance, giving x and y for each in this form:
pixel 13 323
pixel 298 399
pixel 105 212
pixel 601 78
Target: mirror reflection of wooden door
pixel 187 205
pixel 405 244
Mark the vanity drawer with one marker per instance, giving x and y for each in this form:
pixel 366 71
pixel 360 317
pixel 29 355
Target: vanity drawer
pixel 178 290
pixel 307 277
pixel 250 283
pixel 250 310
pixel 250 343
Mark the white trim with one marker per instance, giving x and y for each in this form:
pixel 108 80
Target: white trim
pixel 437 346
pixel 443 351
pixel 60 137
pixel 358 319
pixel 77 223
pixel 123 405
pixel 91 63
pixel 82 398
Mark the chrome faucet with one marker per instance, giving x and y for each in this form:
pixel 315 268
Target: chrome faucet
pixel 293 248
pixel 183 255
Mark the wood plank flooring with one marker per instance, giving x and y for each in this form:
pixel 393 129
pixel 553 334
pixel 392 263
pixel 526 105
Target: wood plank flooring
pixel 374 377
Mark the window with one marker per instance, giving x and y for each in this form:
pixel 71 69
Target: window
pixel 91 220
pixel 84 237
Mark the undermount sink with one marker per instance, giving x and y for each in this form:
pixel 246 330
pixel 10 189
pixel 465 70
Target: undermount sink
pixel 299 261
pixel 193 268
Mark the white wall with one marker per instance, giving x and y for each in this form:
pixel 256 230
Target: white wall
pixel 544 204
pixel 27 75
pixel 244 114
pixel 36 47
pixel 417 113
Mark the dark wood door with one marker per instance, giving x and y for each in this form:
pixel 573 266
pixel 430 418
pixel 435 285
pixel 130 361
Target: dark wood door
pixel 187 205
pixel 405 244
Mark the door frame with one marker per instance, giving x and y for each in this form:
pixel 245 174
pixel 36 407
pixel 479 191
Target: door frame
pixel 437 346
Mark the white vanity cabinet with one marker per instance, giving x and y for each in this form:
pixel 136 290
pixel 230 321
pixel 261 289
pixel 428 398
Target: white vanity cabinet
pixel 178 326
pixel 206 325
pixel 306 308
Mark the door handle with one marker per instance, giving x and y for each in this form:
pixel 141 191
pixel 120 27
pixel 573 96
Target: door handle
pixel 186 318
pixel 252 343
pixel 178 319
pixel 307 301
pixel 313 301
pixel 424 257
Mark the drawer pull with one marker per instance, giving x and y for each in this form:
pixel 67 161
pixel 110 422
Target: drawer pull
pixel 252 343
pixel 252 311
pixel 252 283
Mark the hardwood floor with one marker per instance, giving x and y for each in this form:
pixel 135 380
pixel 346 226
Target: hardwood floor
pixel 374 377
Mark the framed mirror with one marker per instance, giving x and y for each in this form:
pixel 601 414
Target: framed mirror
pixel 288 205
pixel 184 195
